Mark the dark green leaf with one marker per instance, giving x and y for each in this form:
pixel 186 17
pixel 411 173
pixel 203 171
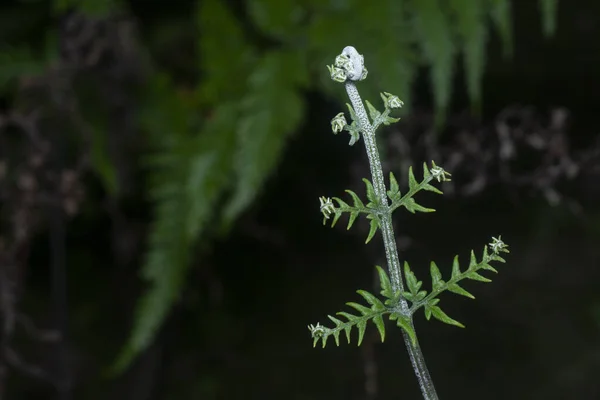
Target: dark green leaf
pixel 476 277
pixel 436 40
pixel 390 120
pixel 394 192
pixel 454 288
pixel 360 308
pixel 378 321
pixel 436 276
pixel 190 174
pixel 336 216
pixel 278 19
pixel 404 323
pixel 440 315
pixel 431 188
pixel 374 114
pixel 350 317
pixel 372 300
pixel 472 261
pixel 411 205
pixel 336 321
pixel 386 285
pixel 217 50
pixel 455 268
pixel 427 312
pixel 501 16
pixel 371 192
pixel 272 110
pixel 357 201
pixel 372 229
pixel 352 218
pixel 354 135
pixel 412 182
pixel 341 203
pixel 411 280
pixel 488 267
pixel 352 113
pixel 362 325
pixel 549 16
pixel 471 18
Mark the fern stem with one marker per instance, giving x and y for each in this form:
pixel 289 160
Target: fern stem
pixel 387 230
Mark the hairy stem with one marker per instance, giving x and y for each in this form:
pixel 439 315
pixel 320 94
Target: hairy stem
pixel 387 230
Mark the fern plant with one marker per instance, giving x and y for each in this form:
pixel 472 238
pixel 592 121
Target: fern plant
pixel 402 298
pixel 250 118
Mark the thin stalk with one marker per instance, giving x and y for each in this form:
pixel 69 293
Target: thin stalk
pixel 391 252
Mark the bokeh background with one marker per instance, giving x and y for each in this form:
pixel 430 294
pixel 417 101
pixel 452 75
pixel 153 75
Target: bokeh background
pixel 160 168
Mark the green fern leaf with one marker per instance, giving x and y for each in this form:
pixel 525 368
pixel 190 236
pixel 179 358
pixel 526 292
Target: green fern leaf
pixel 472 261
pixel 436 277
pixel 438 48
pixel 224 52
pixel 374 313
pixel 442 316
pixel 476 277
pixel 470 17
pixel 411 205
pixel 392 58
pixel 412 181
pixel 500 11
pixel 429 300
pixel 271 111
pixel 189 175
pixel 394 191
pixel 378 321
pixel 455 268
pixel 411 280
pixel 279 19
pixel 353 216
pixel 376 304
pixel 406 325
pixel 373 200
pixel 386 285
pixel 454 288
pixel 549 16
pixel 374 224
pixel 374 114
pixel 360 308
pixel 357 201
pixel 362 326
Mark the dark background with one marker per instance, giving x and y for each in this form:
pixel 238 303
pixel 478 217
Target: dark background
pixel 103 107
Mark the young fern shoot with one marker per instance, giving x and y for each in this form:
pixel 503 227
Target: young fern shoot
pixel 401 297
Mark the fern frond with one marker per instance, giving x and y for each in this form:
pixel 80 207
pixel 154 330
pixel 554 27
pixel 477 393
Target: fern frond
pixel 271 111
pixel 374 313
pixel 189 174
pixel 420 298
pixel 471 25
pixel 222 56
pixel 371 209
pixel 500 11
pixel 438 47
pixel 394 57
pixel 549 16
pixel 407 201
